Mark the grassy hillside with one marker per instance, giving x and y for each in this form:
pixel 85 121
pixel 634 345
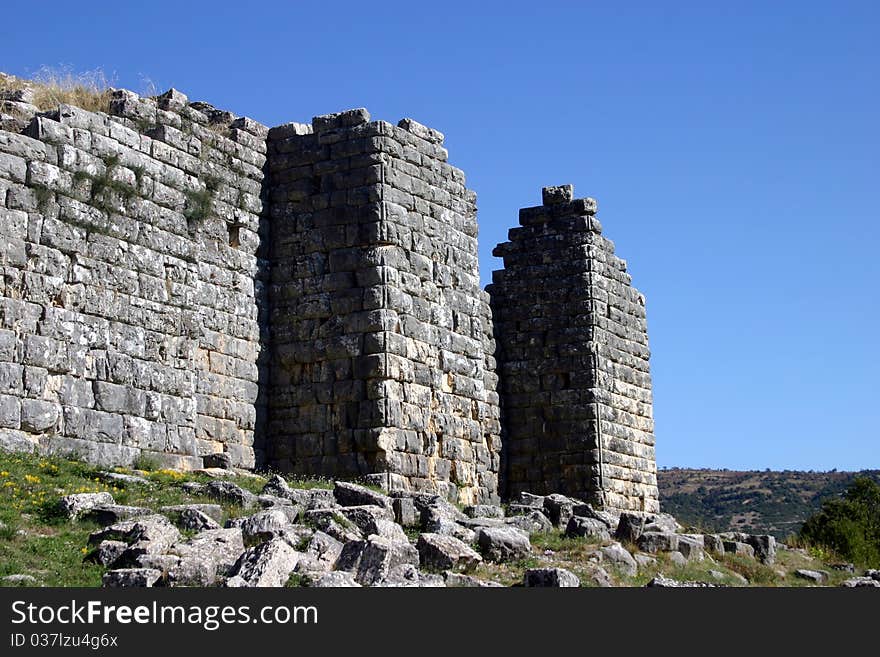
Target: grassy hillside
pixel 751 501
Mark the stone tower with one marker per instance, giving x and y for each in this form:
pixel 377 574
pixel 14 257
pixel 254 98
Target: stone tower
pixel 380 334
pixel 573 361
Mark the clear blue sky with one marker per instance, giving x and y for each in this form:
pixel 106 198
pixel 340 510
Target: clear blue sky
pixel 733 148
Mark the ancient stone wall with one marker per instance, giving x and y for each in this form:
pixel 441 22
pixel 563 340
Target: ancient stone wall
pixel 131 284
pixel 573 361
pixel 178 283
pixel 381 336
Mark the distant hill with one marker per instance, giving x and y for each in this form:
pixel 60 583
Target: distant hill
pixel 752 501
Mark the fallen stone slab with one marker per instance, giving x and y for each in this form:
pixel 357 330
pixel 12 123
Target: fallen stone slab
pixel 123 479
pixel 262 526
pixel 108 514
pixel 131 577
pixel 331 522
pixel 348 494
pixel 530 500
pixel 337 579
pixel 815 576
pixel 228 492
pixel 441 552
pixel 581 527
pixel 714 544
pixel 324 550
pixel 214 511
pixel 665 582
pixel 764 546
pixel 380 555
pixel 619 556
pixel 861 582
pixel 459 580
pixel 266 565
pixel 107 553
pixel 503 543
pixel 144 535
pixel 583 510
pixel 483 511
pixel 691 546
pixel 559 509
pixel 533 522
pixel 550 577
pixel 73 506
pixel 629 527
pixel 654 542
pixel 739 549
pixel 405 513
pixel 205 558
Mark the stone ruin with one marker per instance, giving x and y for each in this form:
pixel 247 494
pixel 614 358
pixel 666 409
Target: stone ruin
pixel 193 287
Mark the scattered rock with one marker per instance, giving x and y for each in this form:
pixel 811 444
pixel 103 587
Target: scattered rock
pixel 662 522
pixel 550 577
pixel 459 580
pixel 108 514
pixel 324 550
pixel 861 582
pixel 691 546
pixel 816 576
pixel 579 526
pixel 331 522
pixel 530 500
pixel 124 479
pixel 629 527
pixel 107 553
pixel 533 522
pixel 19 580
pixel 337 579
pixel 483 511
pixel 600 577
pixel 645 560
pixel 206 557
pixel 654 542
pixel 174 512
pixel 440 552
pixel 678 559
pixel 620 557
pixel 145 535
pixel 437 519
pixel 607 518
pixel 229 493
pixel 764 546
pixel 73 506
pixel 664 582
pixel 559 509
pixel 844 567
pixel 266 565
pixel 379 555
pixel 348 494
pixel 405 513
pixel 874 574
pixel 503 543
pixel 739 548
pixel 127 577
pixel 262 526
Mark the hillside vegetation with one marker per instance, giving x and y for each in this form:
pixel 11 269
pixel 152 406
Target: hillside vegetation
pixel 772 502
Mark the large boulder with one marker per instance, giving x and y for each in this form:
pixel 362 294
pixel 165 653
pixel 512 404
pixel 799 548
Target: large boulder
pixel 323 550
pixel 331 522
pixel 691 546
pixel 559 509
pixel 337 579
pixel 739 548
pixel 550 577
pixel 440 552
pixel 764 546
pixel 372 560
pixel 266 565
pixel 144 535
pixel 194 517
pixel 108 514
pixel 129 577
pixel 228 492
pixel 581 527
pixel 372 519
pixel 815 576
pixel 206 557
pixel 532 522
pixel 73 506
pixel 654 542
pixel 629 527
pixel 263 526
pixel 438 519
pixel 618 555
pixel 713 543
pixel 348 494
pixel 503 543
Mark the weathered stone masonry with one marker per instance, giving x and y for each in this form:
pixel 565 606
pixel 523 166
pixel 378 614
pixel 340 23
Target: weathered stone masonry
pixel 179 282
pixel 381 333
pixel 573 361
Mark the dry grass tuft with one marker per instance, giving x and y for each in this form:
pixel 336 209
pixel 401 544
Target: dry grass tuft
pixel 53 86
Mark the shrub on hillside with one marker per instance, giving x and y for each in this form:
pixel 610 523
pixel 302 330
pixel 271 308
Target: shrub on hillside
pixel 849 525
